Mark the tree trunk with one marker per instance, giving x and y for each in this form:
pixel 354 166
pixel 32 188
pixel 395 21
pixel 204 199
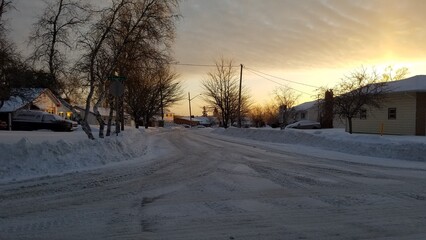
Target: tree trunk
pixel 350 124
pixel 111 112
pixel 100 121
pixel 146 122
pixel 99 116
pixel 84 125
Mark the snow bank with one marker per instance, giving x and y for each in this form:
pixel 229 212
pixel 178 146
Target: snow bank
pixel 27 159
pixel 396 147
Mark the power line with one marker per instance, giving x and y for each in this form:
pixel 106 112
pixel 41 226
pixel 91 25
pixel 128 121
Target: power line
pixel 193 65
pixel 248 69
pixel 197 65
pixel 304 84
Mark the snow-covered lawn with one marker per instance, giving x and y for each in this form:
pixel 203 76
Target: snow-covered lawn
pixel 38 153
pixel 411 148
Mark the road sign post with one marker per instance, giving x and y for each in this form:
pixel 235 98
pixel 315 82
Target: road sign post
pixel 116 89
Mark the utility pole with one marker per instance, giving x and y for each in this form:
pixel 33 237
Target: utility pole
pixel 189 100
pixel 239 96
pixel 190 114
pixel 161 123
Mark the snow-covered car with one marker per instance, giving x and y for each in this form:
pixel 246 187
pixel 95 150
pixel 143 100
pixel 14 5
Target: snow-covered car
pixel 34 120
pixel 305 124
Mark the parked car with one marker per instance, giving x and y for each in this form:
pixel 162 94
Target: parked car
pixel 34 120
pixel 305 124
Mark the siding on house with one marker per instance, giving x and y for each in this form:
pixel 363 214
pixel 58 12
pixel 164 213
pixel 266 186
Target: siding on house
pixel 309 111
pixel 404 124
pixel 47 102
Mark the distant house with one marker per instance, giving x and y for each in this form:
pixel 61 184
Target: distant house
pixel 104 112
pixel 168 116
pixel 204 121
pixel 33 99
pixel 185 121
pixel 403 111
pixel 312 111
pixel 307 111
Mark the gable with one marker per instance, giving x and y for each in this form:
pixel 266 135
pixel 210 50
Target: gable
pixel 43 98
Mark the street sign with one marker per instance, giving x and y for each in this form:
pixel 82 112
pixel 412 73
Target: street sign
pixel 117 78
pixel 116 88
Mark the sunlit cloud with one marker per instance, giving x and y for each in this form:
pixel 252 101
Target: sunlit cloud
pixel 301 34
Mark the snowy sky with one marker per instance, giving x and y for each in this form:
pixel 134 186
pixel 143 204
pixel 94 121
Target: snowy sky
pixel 309 41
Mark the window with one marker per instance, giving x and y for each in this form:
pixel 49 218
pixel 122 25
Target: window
pixel 69 115
pixel 48 118
pixel 363 114
pixel 391 113
pixel 302 115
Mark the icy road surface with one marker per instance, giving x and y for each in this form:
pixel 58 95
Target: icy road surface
pixel 198 185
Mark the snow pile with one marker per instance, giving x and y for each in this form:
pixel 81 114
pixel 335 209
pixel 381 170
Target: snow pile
pixel 396 147
pixel 25 158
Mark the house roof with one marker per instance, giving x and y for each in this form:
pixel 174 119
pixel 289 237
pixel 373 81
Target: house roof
pixel 306 105
pixel 103 111
pixel 22 97
pixel 412 84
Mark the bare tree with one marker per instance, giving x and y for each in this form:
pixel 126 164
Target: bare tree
pixel 271 114
pixel 7 54
pixel 286 99
pixel 51 36
pixel 93 44
pixel 125 32
pixel 257 116
pixel 221 91
pixel 5 5
pixel 150 88
pixel 362 89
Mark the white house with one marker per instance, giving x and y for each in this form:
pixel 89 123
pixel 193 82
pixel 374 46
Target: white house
pixel 312 111
pixel 307 111
pixel 403 111
pixel 35 99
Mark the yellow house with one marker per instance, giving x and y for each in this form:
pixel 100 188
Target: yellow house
pixel 403 111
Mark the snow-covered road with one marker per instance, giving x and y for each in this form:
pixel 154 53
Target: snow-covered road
pixel 193 184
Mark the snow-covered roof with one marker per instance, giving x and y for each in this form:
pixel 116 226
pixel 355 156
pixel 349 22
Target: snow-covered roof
pixel 103 111
pixel 201 120
pixel 412 84
pixel 305 106
pixel 25 96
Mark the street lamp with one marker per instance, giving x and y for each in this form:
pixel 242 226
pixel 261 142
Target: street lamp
pixel 190 114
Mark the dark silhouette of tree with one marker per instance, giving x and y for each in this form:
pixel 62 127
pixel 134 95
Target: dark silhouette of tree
pixel 257 116
pixel 285 100
pixel 6 54
pixel 124 33
pixel 51 37
pixel 221 91
pixel 151 87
